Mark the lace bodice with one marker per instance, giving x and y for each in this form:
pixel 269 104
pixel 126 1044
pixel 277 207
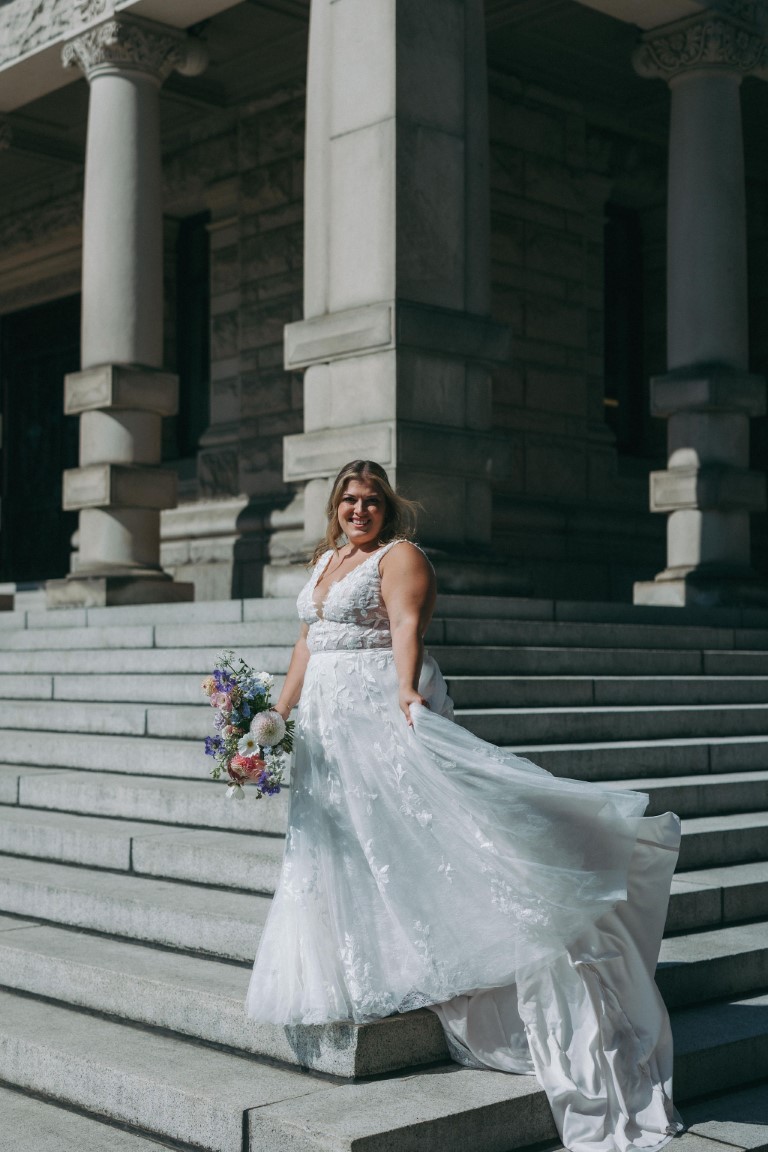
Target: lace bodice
pixel 353 614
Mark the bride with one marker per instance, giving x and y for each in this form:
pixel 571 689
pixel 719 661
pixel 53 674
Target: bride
pixel 425 867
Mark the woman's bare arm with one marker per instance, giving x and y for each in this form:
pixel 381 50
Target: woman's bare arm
pixel 294 679
pixel 408 590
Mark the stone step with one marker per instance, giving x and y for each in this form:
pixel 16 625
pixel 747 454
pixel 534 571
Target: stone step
pixel 146 661
pixel 585 691
pixel 593 724
pixel 167 1086
pixel 711 838
pixel 561 634
pixel 502 726
pixel 204 998
pixel 214 636
pixel 447 630
pixel 466 691
pixel 185 758
pixel 212 611
pixel 621 760
pixel 739 838
pixel 534 660
pixel 718 1046
pixel 111 753
pixel 208 857
pixel 715 965
pixel 98 718
pixel 204 804
pixel 705 795
pixel 493 607
pixel 199 611
pixel 191 918
pixel 451 605
pixel 35 1125
pixel 225 859
pixel 595 611
pixel 169 803
pixel 708 898
pixel 166 689
pixel 226 924
pixel 736 1119
pixel 49 639
pixel 462 660
pixel 187 1093
pixel 201 998
pixel 25 687
pixel 184 802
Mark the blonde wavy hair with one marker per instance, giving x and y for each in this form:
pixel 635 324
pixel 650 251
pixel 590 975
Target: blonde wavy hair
pixel 399 513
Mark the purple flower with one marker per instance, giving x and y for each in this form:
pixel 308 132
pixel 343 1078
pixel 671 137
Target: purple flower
pixel 224 680
pixel 213 745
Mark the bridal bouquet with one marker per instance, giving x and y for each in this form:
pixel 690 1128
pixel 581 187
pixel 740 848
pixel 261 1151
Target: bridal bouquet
pixel 251 738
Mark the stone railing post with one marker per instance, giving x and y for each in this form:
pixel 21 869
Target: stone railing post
pixel 707 395
pixel 122 393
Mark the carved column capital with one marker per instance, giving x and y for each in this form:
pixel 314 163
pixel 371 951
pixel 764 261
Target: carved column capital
pixel 137 46
pixel 709 43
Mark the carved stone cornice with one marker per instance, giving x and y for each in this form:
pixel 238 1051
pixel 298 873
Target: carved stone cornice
pixel 132 45
pixel 708 43
pixel 88 10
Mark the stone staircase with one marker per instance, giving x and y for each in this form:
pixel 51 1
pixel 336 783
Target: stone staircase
pixel 132 892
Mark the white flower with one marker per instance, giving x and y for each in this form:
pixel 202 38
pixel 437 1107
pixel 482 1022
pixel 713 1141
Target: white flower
pixel 267 728
pixel 248 745
pixel 266 680
pixel 235 792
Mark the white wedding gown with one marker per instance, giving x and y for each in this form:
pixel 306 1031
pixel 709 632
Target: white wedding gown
pixel 426 867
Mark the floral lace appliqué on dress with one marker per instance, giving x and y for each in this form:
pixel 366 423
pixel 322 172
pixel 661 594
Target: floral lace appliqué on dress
pixel 423 865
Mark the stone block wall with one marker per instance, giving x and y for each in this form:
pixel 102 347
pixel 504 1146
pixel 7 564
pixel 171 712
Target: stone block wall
pixel 573 511
pixel 246 168
pixel 757 227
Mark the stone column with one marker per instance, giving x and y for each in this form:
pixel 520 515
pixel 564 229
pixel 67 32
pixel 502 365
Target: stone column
pixel 396 337
pixel 122 392
pixel 707 395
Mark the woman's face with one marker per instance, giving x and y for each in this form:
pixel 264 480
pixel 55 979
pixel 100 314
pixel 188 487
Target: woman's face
pixel 362 512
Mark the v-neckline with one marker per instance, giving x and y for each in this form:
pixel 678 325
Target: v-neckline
pixel 319 607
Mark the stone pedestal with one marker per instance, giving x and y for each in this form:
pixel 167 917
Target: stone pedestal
pixel 396 338
pixel 122 393
pixel 708 396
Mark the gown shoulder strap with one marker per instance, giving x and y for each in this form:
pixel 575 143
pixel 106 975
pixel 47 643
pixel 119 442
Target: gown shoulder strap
pixel 400 540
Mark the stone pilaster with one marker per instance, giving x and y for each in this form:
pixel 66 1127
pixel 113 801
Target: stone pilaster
pixel 122 392
pixel 396 336
pixel 707 395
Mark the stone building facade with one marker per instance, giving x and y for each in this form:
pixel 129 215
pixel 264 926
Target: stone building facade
pixel 510 250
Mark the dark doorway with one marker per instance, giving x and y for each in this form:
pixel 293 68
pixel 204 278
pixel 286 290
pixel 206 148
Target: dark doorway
pixel 37 347
pixel 624 399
